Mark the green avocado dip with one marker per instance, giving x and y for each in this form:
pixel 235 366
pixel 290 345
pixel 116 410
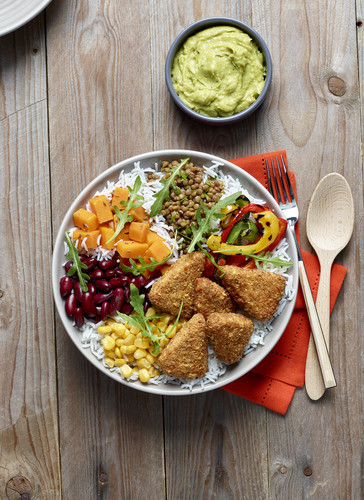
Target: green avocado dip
pixel 219 71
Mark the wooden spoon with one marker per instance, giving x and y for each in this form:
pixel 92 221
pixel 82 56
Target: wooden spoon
pixel 330 221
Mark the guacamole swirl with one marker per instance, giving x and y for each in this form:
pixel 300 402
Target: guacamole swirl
pixel 219 71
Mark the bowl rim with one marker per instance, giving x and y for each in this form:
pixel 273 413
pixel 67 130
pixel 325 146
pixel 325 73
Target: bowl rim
pixel 199 26
pixel 58 258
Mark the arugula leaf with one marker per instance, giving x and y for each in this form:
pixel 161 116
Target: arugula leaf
pixel 124 216
pixel 163 194
pixel 77 265
pixel 211 259
pixel 136 270
pixel 204 224
pixel 263 257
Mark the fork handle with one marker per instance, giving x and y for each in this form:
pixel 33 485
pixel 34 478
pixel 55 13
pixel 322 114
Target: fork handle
pixel 318 335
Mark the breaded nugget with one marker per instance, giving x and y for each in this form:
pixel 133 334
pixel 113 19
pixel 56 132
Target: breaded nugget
pixel 257 292
pixel 186 354
pixel 211 297
pixel 228 334
pixel 178 284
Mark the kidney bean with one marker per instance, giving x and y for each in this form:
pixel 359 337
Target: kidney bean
pixel 91 288
pixel 65 286
pixel 78 291
pixel 141 280
pixel 78 317
pixel 110 273
pixel 103 285
pixel 95 319
pixel 124 280
pixel 127 294
pixel 91 264
pixel 99 298
pixel 107 264
pixel 68 265
pixel 70 305
pixel 116 282
pixel 105 306
pixel 88 305
pixel 117 301
pixel 126 309
pixel 119 273
pixel 135 282
pixel 145 306
pixel 96 274
pixel 82 257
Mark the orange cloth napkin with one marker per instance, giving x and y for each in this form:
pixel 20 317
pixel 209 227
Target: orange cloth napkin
pixel 273 381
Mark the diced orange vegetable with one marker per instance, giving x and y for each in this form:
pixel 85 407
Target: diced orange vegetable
pixel 119 194
pixel 138 213
pixel 158 250
pixel 84 219
pixel 163 269
pixel 152 236
pixel 106 234
pixel 91 237
pixel 138 231
pixel 101 208
pixel 131 249
pixel 146 273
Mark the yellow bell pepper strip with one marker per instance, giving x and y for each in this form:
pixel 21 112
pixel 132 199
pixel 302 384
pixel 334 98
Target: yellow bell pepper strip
pixel 270 224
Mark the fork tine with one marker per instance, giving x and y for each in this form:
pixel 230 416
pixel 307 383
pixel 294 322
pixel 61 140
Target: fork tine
pixel 270 185
pixel 287 179
pixel 282 182
pixel 276 182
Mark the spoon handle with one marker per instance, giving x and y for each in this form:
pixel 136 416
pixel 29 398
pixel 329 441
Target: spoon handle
pixel 315 381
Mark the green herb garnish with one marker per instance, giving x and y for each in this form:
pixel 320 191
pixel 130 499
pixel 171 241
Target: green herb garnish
pixel 204 224
pixel 124 216
pixel 211 259
pixel 136 270
pixel 163 194
pixel 139 319
pixel 77 265
pixel 263 257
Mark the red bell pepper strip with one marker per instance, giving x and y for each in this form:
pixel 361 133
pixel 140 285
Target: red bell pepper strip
pixel 250 207
pixel 209 268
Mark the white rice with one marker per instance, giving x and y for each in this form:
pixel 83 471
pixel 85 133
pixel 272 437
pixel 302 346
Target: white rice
pixel 91 339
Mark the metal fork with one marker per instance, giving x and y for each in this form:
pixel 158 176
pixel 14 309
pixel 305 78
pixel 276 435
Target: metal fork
pixel 290 211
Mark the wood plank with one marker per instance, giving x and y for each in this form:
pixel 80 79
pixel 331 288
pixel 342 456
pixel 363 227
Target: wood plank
pixel 28 397
pixel 100 113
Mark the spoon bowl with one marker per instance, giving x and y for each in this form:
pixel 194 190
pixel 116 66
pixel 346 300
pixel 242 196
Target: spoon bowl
pixel 330 222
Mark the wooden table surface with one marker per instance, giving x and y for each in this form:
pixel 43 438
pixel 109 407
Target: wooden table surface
pixel 82 88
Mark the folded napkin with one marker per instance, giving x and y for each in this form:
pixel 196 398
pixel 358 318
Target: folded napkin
pixel 273 381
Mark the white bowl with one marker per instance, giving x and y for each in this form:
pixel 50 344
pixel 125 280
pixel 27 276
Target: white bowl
pixel 146 160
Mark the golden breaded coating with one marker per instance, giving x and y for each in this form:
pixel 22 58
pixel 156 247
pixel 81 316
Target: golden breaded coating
pixel 179 284
pixel 257 292
pixel 211 297
pixel 186 355
pixel 228 334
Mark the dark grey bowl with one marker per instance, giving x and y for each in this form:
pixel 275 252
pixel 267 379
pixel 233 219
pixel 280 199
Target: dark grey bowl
pixel 208 23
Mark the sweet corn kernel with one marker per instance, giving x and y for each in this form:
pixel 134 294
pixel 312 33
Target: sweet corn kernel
pixel 110 321
pixel 140 353
pixel 142 343
pixel 119 342
pixel 119 329
pixel 129 358
pixel 104 330
pixel 108 343
pixel 126 371
pixel 114 335
pixel 143 363
pixel 130 339
pixel 150 358
pixel 154 372
pixel 120 362
pixel 162 326
pixel 171 331
pixel 163 342
pixel 136 369
pixel 110 354
pixel 117 352
pixel 144 375
pixel 139 335
pixel 134 329
pixel 166 319
pixel 151 311
pixel 129 349
pixel 110 362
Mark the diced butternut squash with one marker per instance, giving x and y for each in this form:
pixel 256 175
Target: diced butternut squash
pixel 91 237
pixel 164 269
pixel 138 231
pixel 131 249
pixel 158 250
pixel 119 194
pixel 152 236
pixel 146 273
pixel 106 234
pixel 86 220
pixel 138 213
pixel 101 208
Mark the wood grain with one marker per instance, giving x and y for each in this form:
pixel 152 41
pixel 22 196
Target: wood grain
pixel 29 455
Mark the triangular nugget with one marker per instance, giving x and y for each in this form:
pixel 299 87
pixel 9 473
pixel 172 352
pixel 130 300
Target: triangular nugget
pixel 257 292
pixel 211 297
pixel 178 285
pixel 228 334
pixel 186 355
